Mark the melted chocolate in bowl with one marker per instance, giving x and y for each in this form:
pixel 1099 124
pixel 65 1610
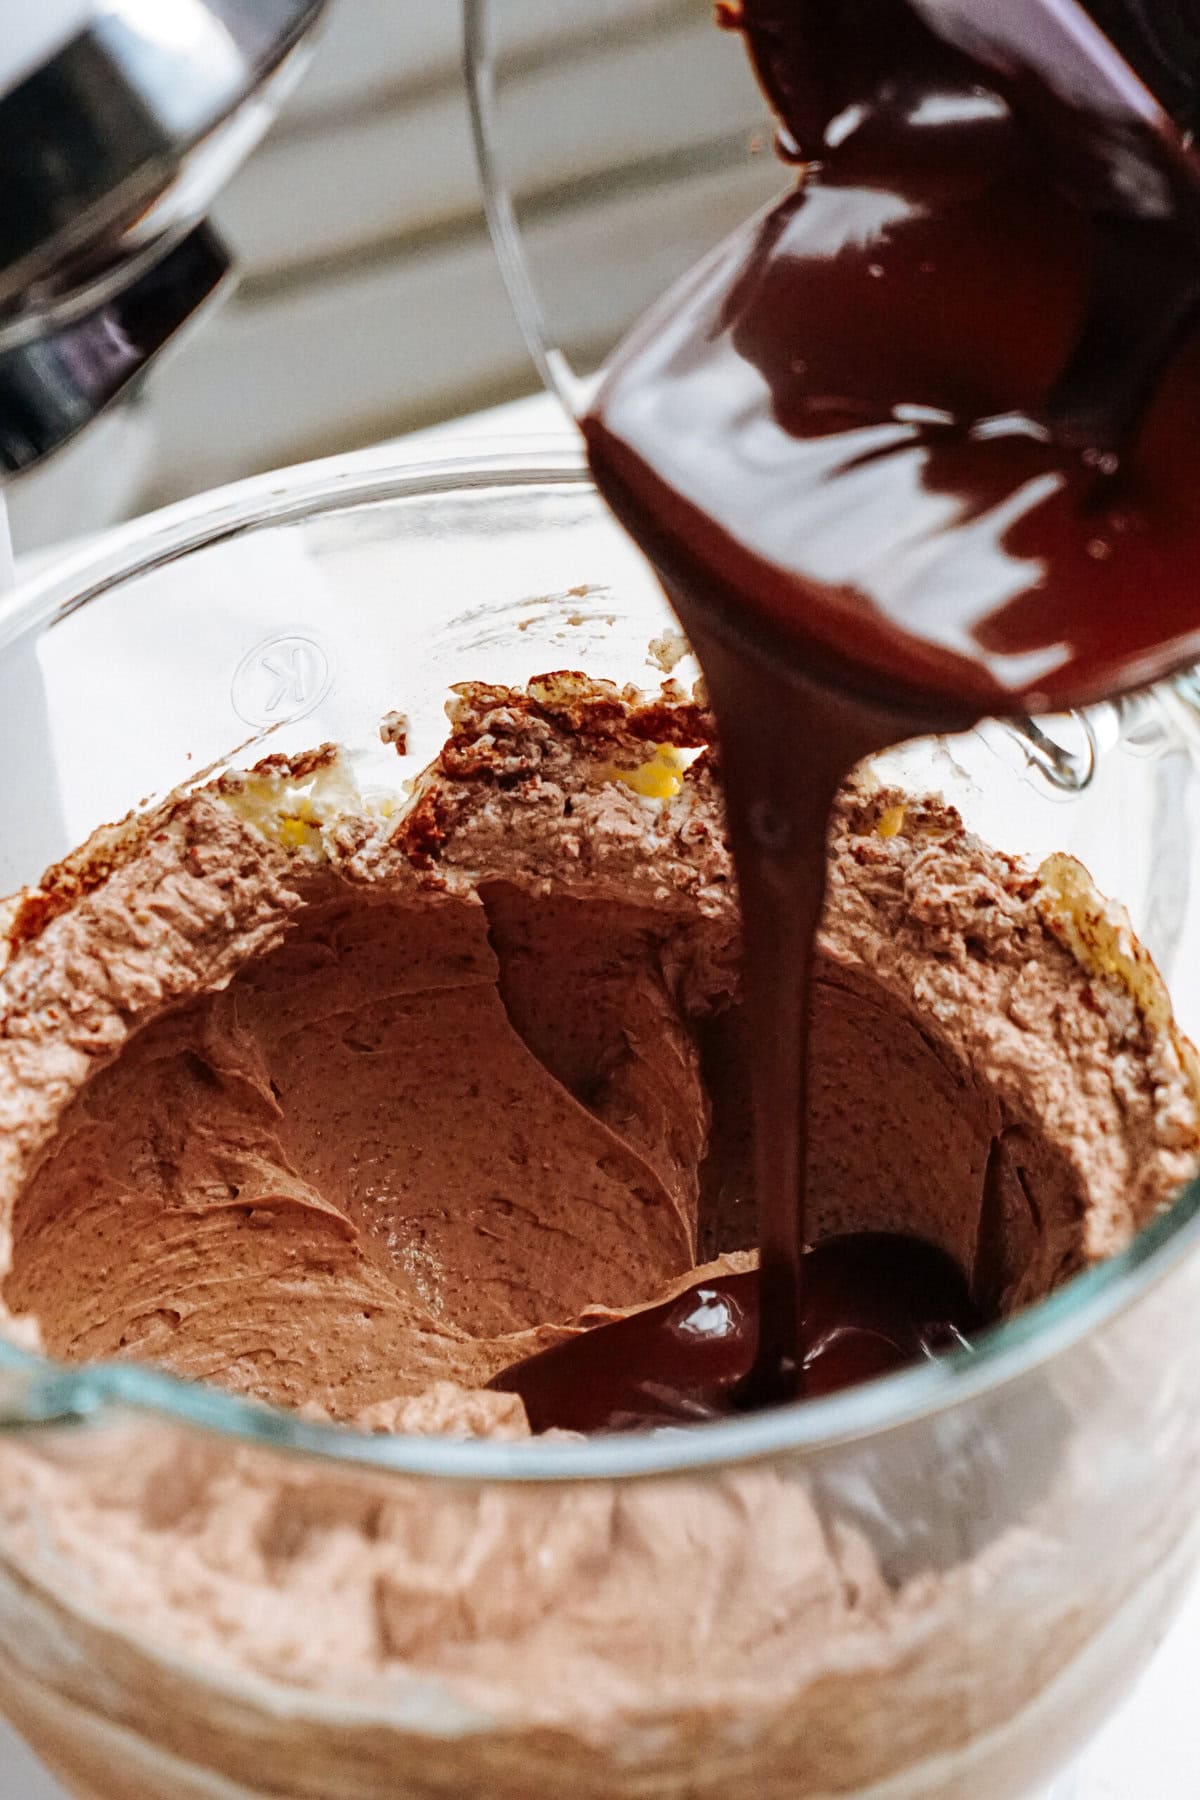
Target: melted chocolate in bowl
pixel 871 1302
pixel 914 446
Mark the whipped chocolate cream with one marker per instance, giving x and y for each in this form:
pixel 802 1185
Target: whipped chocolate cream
pixel 351 1109
pixel 287 1134
pixel 351 1112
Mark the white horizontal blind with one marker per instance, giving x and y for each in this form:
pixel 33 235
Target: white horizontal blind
pixel 369 47
pixel 370 301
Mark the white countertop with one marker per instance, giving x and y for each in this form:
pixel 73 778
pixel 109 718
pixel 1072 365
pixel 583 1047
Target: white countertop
pixel 1150 1750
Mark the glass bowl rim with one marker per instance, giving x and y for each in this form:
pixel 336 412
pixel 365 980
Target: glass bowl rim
pixel 46 1394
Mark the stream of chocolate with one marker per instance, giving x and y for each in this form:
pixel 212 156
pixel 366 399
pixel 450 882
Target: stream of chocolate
pixel 902 455
pixel 871 1302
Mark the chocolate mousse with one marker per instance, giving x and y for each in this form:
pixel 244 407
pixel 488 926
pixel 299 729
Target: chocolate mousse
pixel 352 1108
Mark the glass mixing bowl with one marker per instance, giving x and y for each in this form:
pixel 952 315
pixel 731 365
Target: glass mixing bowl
pixel 200 1596
pixel 610 161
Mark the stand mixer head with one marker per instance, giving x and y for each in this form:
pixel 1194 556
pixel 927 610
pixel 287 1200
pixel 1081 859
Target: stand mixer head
pixel 120 120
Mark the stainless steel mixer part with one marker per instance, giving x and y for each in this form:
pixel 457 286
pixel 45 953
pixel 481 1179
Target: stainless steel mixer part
pixel 120 120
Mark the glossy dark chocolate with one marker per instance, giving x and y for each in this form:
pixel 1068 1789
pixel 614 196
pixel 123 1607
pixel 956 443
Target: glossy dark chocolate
pixel 916 445
pixel 872 1303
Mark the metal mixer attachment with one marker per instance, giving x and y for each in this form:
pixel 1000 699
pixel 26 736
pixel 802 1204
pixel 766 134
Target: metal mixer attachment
pixel 119 122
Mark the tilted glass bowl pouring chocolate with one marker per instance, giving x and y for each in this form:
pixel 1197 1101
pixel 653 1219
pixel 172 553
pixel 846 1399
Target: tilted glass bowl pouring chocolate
pixel 1006 1531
